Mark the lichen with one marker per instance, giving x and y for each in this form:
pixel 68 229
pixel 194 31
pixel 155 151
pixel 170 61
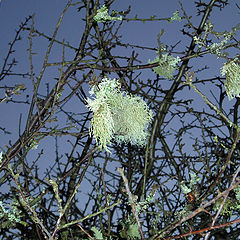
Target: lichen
pixel 103 16
pixel 117 115
pixel 167 65
pixel 231 70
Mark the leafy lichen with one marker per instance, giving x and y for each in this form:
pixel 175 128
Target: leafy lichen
pixel 175 17
pixel 167 65
pixel 237 192
pixel 228 206
pixel 103 16
pixel 97 234
pixel 133 232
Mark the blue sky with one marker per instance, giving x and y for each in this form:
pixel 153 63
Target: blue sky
pixel 47 13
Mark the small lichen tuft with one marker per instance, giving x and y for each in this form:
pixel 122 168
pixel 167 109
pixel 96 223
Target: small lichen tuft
pixel 175 17
pixel 167 65
pixel 103 16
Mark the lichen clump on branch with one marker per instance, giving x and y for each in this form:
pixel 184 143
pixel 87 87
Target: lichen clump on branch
pixel 103 16
pixel 231 70
pixel 117 115
pixel 167 65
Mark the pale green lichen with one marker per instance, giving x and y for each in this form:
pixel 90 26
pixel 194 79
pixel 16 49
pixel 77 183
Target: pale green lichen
pixel 184 188
pixel 230 205
pixel 175 17
pixel 34 144
pixel 12 214
pixel 103 16
pixel 133 231
pixel 117 115
pixel 167 65
pixel 144 205
pixel 194 179
pixel 227 208
pixel 97 234
pixel 216 47
pixel 237 192
pixel 231 70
